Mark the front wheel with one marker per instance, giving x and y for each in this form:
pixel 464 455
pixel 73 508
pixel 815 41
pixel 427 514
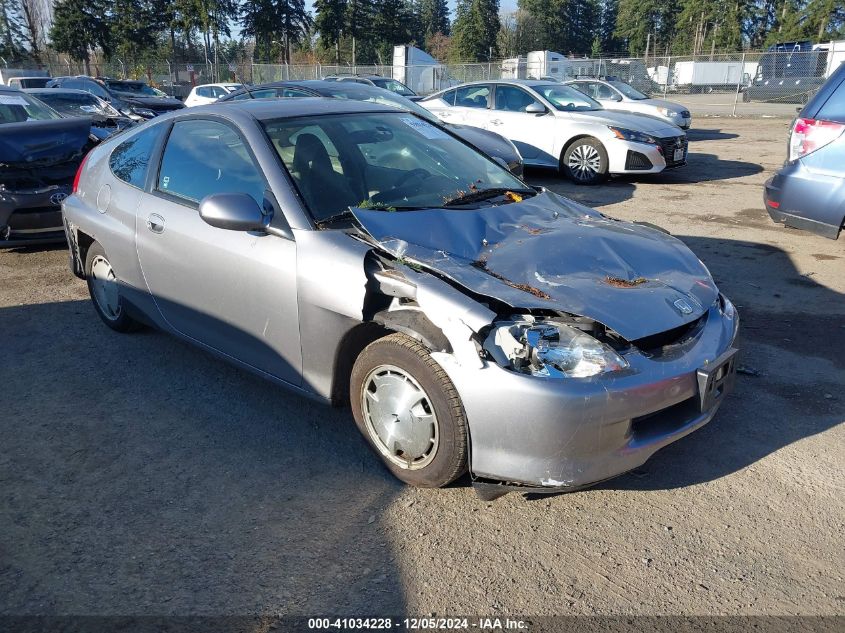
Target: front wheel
pixel 104 288
pixel 409 411
pixel 585 161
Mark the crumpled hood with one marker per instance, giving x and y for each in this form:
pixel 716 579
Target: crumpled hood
pixel 34 142
pixel 637 122
pixel 551 253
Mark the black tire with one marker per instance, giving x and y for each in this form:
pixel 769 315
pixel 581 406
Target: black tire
pixel 449 459
pixel 115 317
pixel 594 172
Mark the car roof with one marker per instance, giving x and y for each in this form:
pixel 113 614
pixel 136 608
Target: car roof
pixel 268 109
pixel 54 91
pixel 530 83
pixel 315 85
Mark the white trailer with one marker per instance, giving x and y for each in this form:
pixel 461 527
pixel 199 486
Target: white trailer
pixel 694 76
pixel 835 55
pixel 419 71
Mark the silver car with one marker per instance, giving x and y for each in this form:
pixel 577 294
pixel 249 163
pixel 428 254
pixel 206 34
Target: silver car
pixel 557 126
pixel 360 254
pixel 615 94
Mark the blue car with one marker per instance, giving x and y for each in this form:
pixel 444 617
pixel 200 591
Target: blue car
pixel 809 191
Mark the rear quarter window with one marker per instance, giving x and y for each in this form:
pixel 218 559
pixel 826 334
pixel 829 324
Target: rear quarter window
pixel 130 160
pixel 834 108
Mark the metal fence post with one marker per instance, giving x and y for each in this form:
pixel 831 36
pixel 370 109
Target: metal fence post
pixel 666 80
pixel 738 84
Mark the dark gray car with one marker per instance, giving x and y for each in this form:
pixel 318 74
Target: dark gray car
pixel 809 191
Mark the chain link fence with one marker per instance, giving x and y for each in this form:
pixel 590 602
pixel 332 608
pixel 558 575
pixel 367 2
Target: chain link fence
pixel 744 83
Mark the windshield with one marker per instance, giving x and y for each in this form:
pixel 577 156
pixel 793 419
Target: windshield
pixel 373 94
pixel 628 91
pixel 17 108
pixel 384 161
pixel 394 86
pixel 137 88
pixel 73 104
pixel 567 99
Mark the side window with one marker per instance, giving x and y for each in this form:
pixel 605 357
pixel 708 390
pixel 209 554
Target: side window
pixel 834 108
pixel 473 97
pixel 96 89
pixel 511 99
pixel 203 92
pixel 204 157
pixel 292 92
pixel 603 92
pixel 130 160
pixel 449 97
pixel 582 86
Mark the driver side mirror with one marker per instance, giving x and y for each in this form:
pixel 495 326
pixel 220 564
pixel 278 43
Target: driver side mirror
pixel 535 108
pixel 233 212
pixel 615 98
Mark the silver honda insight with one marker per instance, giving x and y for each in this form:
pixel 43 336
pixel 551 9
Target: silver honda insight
pixel 364 255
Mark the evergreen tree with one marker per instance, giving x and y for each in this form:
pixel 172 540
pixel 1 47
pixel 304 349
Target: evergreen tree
pixel 475 29
pixel 285 22
pixel 392 25
pixel 642 23
pixel 79 26
pixel 434 17
pixel 330 17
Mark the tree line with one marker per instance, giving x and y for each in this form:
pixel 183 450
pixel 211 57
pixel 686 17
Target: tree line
pixel 365 31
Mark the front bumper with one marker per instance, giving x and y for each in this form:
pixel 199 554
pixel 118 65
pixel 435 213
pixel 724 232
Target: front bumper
pixel 627 157
pixel 30 218
pixel 564 434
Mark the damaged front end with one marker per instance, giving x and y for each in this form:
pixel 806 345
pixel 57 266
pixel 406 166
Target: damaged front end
pixel 589 349
pixel 38 161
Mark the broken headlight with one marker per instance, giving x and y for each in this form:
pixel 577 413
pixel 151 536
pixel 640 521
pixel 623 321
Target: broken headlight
pixel 551 348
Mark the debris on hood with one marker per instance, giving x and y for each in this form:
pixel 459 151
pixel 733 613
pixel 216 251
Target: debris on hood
pixel 550 253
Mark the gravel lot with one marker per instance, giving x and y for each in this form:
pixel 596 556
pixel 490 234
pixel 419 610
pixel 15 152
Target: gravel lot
pixel 141 476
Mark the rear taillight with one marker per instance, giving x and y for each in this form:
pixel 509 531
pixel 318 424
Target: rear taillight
pixel 808 135
pixel 78 174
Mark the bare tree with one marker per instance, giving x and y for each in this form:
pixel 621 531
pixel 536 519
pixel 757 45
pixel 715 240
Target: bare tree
pixel 34 24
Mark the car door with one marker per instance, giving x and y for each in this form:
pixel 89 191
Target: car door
pixel 533 133
pixel 233 291
pixel 472 105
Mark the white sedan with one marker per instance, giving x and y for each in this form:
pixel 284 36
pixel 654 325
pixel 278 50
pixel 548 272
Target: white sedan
pixel 209 93
pixel 614 94
pixel 557 126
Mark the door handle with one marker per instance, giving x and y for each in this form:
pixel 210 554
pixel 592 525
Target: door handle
pixel 155 223
pixel 496 122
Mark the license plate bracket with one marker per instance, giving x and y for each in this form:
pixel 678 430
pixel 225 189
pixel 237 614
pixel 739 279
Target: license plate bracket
pixel 716 379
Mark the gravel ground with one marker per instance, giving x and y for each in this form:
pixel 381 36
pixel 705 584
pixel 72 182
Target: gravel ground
pixel 141 476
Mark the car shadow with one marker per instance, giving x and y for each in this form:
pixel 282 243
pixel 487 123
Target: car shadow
pixel 141 476
pixel 694 135
pixel 780 326
pixel 700 167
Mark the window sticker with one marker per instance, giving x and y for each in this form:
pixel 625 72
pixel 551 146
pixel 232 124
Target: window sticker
pixel 165 181
pixel 424 127
pixel 12 100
